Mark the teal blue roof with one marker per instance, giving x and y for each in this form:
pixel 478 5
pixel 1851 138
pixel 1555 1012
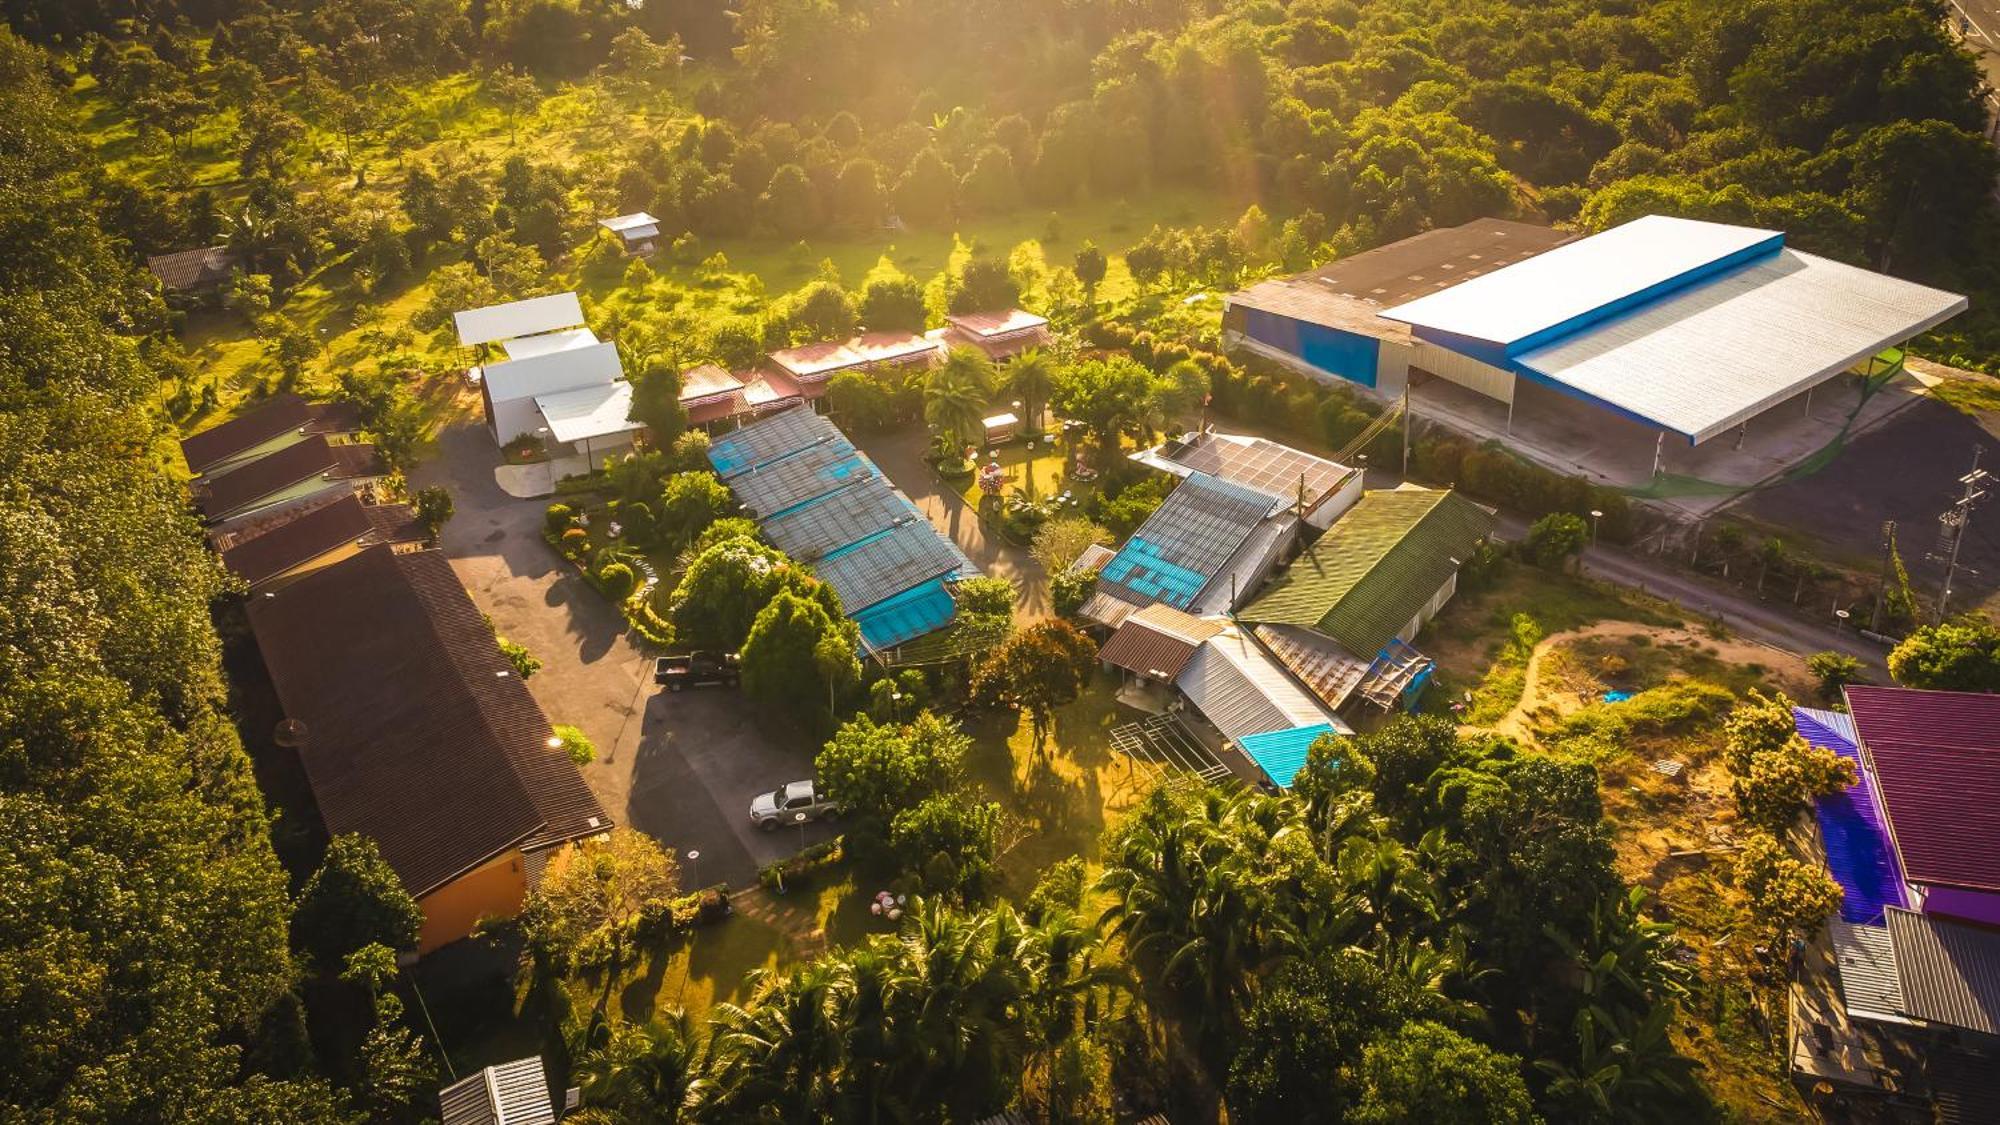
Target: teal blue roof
pixel 1281 754
pixel 910 614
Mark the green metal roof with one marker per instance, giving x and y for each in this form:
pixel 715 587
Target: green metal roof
pixel 1376 567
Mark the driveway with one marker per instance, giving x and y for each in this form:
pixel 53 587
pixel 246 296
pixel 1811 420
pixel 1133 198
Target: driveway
pixel 900 455
pixel 680 767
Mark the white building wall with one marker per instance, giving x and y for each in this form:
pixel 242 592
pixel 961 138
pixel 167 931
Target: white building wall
pixel 1336 505
pixel 1431 609
pixel 514 417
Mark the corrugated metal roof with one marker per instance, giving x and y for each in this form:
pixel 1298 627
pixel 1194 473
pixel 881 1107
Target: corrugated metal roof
pixel 518 318
pixel 1869 985
pixel 552 372
pixel 1242 691
pixel 768 439
pixel 512 1093
pixel 1240 575
pixel 219 497
pixel 1184 543
pixel 1950 971
pixel 589 412
pixel 527 347
pixel 1376 568
pixel 819 361
pixel 1554 289
pixel 1157 641
pixel 1702 361
pixel 306 536
pixel 1330 671
pixel 278 415
pixel 1107 609
pixel 1936 755
pixel 886 564
pixel 1281 754
pixel 1253 462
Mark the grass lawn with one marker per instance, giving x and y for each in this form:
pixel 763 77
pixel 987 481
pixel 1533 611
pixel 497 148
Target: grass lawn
pixel 1038 473
pixel 1977 396
pixel 1482 647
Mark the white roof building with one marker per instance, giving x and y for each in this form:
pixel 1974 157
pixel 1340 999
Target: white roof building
pixel 527 347
pixel 513 388
pixel 636 227
pixel 589 413
pixel 512 1093
pixel 518 318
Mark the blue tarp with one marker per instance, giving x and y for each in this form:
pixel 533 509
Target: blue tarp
pixel 1859 854
pixel 1281 754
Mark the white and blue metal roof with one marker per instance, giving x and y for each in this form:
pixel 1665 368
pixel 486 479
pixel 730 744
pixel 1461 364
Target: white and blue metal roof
pixel 1690 327
pixel 825 503
pixel 1184 544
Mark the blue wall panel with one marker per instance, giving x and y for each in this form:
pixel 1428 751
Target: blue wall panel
pixel 1350 356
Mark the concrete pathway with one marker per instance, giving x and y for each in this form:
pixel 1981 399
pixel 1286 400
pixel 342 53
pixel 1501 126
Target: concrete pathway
pixel 531 482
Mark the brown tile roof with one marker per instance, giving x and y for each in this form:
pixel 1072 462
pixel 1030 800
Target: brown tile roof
pixel 218 497
pixel 334 418
pixel 819 361
pixel 417 731
pixel 707 380
pixel 186 269
pixel 393 523
pixel 1157 641
pixel 298 540
pixel 280 414
pixel 358 459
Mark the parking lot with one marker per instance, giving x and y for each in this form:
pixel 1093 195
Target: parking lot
pixel 681 767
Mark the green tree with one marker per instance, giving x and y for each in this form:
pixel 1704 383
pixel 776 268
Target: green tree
pixel 892 303
pixel 514 93
pixel 926 193
pixel 986 595
pixel 592 894
pixel 876 770
pixel 984 285
pixel 689 503
pixel 354 899
pixel 1061 541
pixel 823 311
pixel 1963 654
pixel 1038 669
pixel 1556 538
pixel 1032 375
pixel 1090 268
pixel 1834 671
pixel 1781 784
pixel 434 508
pixel 1426 1072
pixel 726 586
pixel 1111 397
pixel 656 403
pixel 859 195
pixel 950 841
pixel 783 654
pixel 860 400
pixel 662 1070
pixel 1785 897
pixel 790 205
pixel 956 395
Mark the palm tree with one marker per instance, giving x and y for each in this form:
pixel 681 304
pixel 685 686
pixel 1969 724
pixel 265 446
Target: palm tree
pixel 1032 375
pixel 956 394
pixel 785 1052
pixel 251 233
pixel 663 1070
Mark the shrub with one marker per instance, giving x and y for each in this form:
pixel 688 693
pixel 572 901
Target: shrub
pixel 1070 589
pixel 559 518
pixel 575 542
pixel 524 662
pixel 576 744
pixel 1554 538
pixel 617 581
pixel 1834 670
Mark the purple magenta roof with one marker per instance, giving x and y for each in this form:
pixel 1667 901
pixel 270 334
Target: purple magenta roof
pixel 1936 755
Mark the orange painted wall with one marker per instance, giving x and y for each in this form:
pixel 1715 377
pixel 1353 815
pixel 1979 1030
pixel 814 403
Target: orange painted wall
pixel 493 891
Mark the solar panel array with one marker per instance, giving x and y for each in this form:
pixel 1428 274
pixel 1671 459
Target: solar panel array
pixel 779 486
pixel 818 529
pixel 890 562
pixel 1266 466
pixel 769 439
pixel 1185 542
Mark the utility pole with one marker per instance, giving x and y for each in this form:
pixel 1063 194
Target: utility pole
pixel 1406 426
pixel 1888 565
pixel 1954 523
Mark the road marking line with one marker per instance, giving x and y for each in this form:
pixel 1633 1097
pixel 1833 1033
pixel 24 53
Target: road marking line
pixel 1972 22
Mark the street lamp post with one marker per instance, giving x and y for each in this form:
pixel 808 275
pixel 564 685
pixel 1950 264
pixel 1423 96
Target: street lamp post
pixel 1595 515
pixel 799 818
pixel 694 866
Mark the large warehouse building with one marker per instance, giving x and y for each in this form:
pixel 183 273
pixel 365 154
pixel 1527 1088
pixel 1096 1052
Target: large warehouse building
pixel 1601 354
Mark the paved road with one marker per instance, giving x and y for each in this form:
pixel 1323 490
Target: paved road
pixel 680 767
pixel 1742 613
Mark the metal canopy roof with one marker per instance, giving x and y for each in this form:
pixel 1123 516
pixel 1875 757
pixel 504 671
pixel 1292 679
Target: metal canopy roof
pixel 1936 755
pixel 768 439
pixel 789 483
pixel 889 562
pixel 1949 971
pixel 1253 462
pixel 814 530
pixel 518 318
pixel 553 372
pixel 1560 289
pixel 1281 754
pixel 1185 542
pixel 589 412
pixel 1710 357
pixel 525 347
pixel 1242 691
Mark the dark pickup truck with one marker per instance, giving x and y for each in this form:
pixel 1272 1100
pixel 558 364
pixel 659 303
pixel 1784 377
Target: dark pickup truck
pixel 696 669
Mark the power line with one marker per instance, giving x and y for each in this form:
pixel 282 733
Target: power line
pixel 1953 524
